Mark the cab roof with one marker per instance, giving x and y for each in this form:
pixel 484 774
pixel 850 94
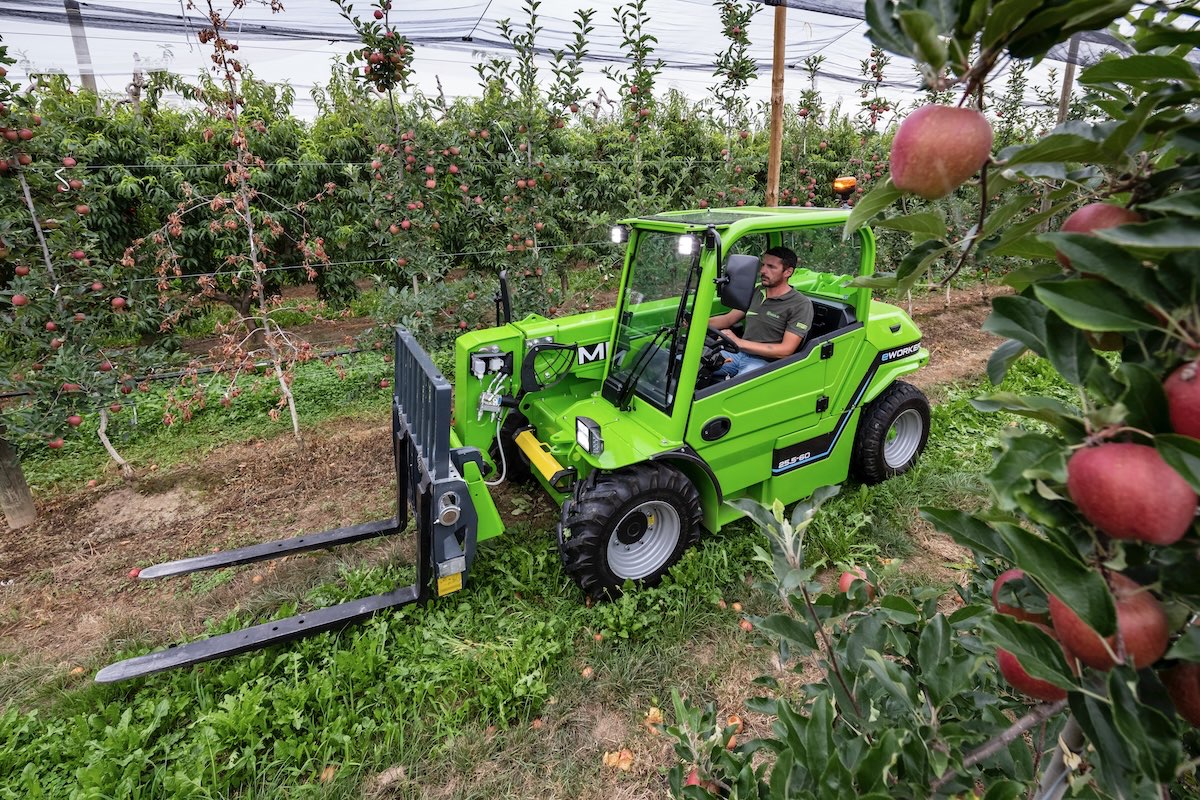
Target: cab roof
pixel 724 217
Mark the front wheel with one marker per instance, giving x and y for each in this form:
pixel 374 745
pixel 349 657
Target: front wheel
pixel 892 432
pixel 632 524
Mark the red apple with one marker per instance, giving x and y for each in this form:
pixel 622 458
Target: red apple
pixel 1141 622
pixel 1183 685
pixel 1014 611
pixel 1095 216
pixel 74 420
pixel 848 578
pixel 1128 492
pixel 97 286
pixel 133 573
pixel 20 300
pixel 21 271
pixel 383 384
pixel 1183 399
pixel 118 303
pixel 68 162
pixel 55 444
pixel 51 326
pixel 937 148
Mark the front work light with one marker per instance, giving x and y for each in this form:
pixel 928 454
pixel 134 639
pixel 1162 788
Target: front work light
pixel 620 234
pixel 587 436
pixel 687 245
pixel 844 185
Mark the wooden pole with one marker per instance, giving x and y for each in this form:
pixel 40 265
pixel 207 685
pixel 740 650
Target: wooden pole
pixel 15 498
pixel 87 75
pixel 1064 103
pixel 775 154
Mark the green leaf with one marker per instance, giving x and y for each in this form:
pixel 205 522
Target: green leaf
pixel 1156 237
pixel 874 771
pixel 968 531
pixel 1005 790
pixel 884 30
pixel 790 629
pixel 1183 454
pixel 1061 573
pixel 1005 17
pixel 1020 318
pixel 1131 69
pixel 921 224
pixel 934 646
pixel 1094 305
pixel 922 29
pixel 896 681
pixel 1026 457
pixel 1039 653
pixel 1068 350
pixel 1043 269
pixel 1055 148
pixel 1188 646
pixel 1113 764
pixel 871 203
pixel 1094 256
pixel 1143 398
pixel 1002 358
pixel 916 263
pixel 1046 409
pixel 1183 203
pixel 900 610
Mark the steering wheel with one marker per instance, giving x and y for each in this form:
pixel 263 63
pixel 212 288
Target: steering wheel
pixel 716 340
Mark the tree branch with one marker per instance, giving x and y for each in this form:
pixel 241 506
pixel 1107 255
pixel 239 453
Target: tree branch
pixel 998 743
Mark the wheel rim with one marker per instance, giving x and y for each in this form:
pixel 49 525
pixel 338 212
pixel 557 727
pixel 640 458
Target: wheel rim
pixel 903 438
pixel 643 541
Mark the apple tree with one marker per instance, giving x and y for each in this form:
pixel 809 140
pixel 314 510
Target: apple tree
pixel 64 306
pixel 1089 544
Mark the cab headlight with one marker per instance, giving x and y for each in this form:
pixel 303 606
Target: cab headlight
pixel 587 436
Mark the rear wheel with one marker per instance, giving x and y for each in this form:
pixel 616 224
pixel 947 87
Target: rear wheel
pixel 892 432
pixel 633 524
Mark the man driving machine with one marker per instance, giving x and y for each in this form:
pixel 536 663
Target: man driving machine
pixel 776 321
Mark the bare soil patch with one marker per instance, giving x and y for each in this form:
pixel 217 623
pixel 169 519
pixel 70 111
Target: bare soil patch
pixel 65 590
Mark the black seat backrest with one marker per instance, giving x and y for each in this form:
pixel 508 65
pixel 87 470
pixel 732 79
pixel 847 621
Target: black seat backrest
pixel 741 275
pixel 828 316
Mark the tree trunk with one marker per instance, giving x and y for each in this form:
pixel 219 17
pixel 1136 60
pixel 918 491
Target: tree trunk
pixel 15 497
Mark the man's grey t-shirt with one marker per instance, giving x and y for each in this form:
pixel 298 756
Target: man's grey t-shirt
pixel 768 318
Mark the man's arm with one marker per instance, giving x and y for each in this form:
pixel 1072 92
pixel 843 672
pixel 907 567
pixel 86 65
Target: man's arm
pixel 791 341
pixel 726 320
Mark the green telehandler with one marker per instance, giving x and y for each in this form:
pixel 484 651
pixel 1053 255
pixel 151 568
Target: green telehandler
pixel 617 415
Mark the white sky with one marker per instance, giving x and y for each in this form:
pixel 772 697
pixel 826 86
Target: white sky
pixel 688 32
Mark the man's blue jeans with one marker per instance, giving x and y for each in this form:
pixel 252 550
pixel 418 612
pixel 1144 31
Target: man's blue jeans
pixel 740 364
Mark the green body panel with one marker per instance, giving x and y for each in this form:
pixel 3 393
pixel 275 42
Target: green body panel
pixel 490 524
pixel 791 427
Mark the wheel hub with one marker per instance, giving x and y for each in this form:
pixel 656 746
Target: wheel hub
pixel 633 528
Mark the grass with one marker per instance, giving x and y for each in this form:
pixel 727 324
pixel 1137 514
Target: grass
pixel 448 691
pixel 137 431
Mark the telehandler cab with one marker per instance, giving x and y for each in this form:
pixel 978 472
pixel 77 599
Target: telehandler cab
pixel 617 415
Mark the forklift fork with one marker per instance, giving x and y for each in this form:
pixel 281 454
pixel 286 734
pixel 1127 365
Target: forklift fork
pixel 428 480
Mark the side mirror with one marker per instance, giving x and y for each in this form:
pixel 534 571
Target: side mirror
pixel 736 287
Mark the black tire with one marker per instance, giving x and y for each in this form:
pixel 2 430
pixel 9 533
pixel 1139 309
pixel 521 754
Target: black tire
pixel 632 524
pixel 892 431
pixel 517 470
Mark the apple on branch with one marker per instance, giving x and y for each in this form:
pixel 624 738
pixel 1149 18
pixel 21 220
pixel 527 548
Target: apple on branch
pixel 937 148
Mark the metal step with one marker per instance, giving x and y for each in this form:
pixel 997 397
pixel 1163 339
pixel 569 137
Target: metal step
pixel 278 549
pixel 258 636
